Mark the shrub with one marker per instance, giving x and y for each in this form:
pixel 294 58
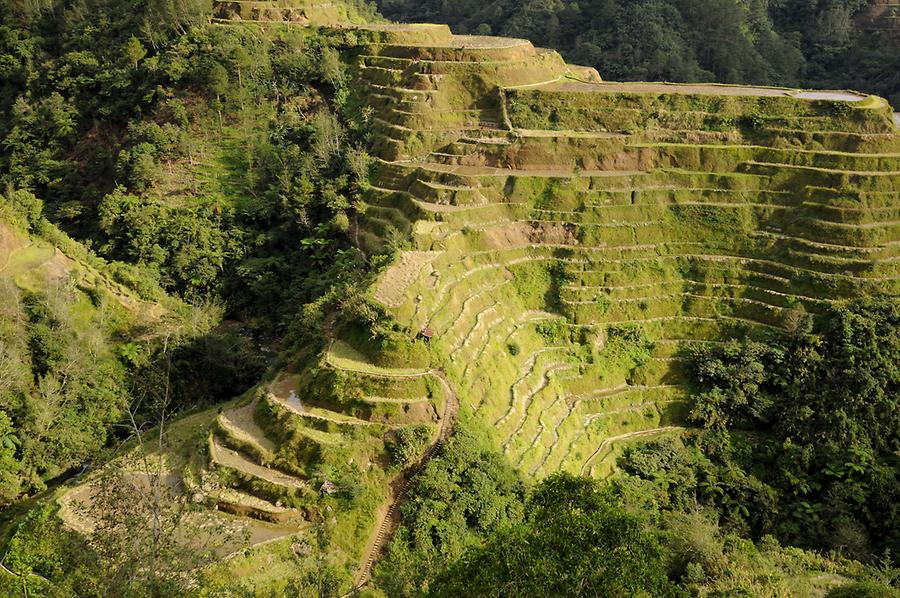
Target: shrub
pixel 863 589
pixel 407 444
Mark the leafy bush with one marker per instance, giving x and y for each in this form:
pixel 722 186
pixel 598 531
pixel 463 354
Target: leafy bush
pixel 863 589
pixel 576 540
pixel 406 445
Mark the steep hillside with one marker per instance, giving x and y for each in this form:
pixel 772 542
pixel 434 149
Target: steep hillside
pixel 552 245
pixel 564 257
pixel 64 318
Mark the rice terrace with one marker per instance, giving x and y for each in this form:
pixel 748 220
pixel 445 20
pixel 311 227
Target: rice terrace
pixel 528 301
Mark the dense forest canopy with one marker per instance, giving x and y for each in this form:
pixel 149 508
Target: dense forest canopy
pixel 782 42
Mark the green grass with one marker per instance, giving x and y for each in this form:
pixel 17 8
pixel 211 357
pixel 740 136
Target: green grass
pixel 344 357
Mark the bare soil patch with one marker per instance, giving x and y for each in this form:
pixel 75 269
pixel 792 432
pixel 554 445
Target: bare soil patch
pixel 837 96
pixel 523 234
pixel 397 280
pixel 9 242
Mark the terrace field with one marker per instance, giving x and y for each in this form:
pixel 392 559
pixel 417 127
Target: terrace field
pixel 560 241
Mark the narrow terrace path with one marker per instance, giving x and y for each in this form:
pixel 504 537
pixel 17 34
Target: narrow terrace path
pixel 636 434
pixel 388 516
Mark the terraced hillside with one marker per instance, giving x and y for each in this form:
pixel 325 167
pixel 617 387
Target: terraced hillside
pixel 564 260
pixel 557 242
pixel 882 16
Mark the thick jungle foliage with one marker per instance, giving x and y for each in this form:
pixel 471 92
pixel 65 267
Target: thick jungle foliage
pixel 801 436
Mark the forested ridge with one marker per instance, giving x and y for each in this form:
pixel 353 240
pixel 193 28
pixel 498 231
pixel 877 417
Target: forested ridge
pixel 180 206
pixel 792 43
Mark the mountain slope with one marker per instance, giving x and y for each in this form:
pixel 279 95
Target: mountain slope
pixel 551 245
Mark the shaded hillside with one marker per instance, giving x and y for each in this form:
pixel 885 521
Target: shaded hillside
pixel 843 45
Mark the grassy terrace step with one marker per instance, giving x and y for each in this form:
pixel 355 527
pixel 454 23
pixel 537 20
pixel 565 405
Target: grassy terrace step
pixel 380 95
pixel 448 213
pixel 752 311
pixel 565 151
pixel 430 74
pixel 240 432
pixel 476 184
pixel 587 106
pixel 459 121
pixel 385 77
pixel 399 176
pixel 827 177
pixel 611 259
pixel 424 117
pixel 540 66
pixel 240 503
pixel 763 312
pixel 342 356
pixel 712 301
pixel 656 205
pixel 726 157
pixel 605 450
pixel 799 278
pixel 401 133
pixel 395 401
pixel 403 33
pixel 576 294
pixel 835 140
pixel 853 215
pixel 716 268
pixel 379 394
pixel 223 456
pixel 381 228
pixel 833 132
pixel 390 217
pixel 460 48
pixel 868 251
pixel 303 427
pixel 340 421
